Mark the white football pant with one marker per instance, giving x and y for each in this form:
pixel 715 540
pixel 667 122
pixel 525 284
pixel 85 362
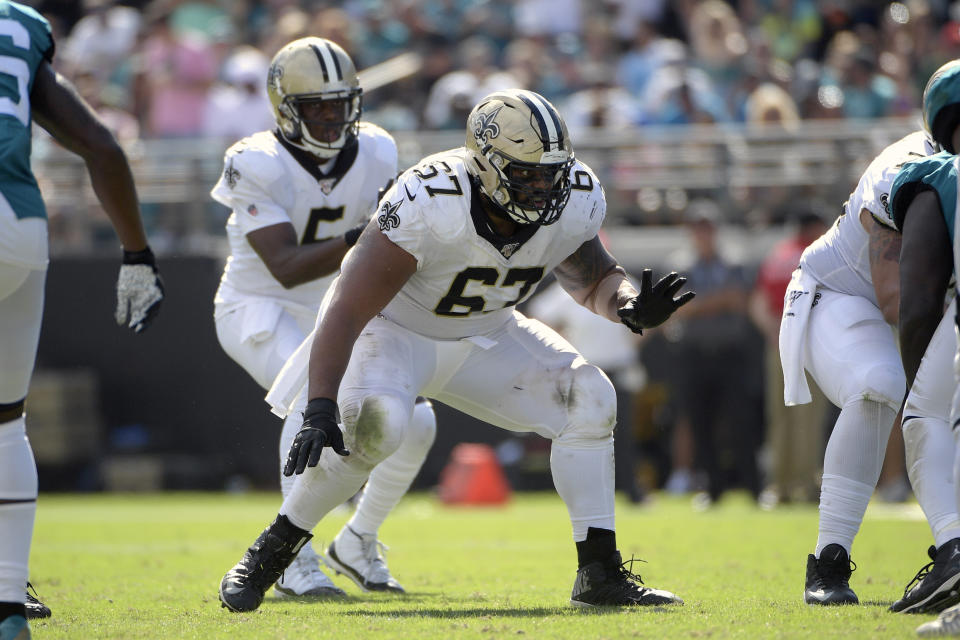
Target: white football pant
pixel 21 311
pixel 927 439
pixel 263 358
pixel 851 352
pixel 521 377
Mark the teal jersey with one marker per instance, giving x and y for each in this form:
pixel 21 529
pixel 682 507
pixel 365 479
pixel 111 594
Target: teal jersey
pixel 937 173
pixel 25 43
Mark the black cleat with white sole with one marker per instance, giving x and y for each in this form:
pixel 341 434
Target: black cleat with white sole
pixel 828 577
pixel 243 587
pixel 35 609
pixel 611 584
pixel 935 587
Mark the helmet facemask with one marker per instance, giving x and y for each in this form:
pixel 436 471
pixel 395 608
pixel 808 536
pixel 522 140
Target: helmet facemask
pixel 316 128
pixel 536 193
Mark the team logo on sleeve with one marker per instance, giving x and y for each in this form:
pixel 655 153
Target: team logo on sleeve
pixel 252 210
pixel 231 175
pixel 388 218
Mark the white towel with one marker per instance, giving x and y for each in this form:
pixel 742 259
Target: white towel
pixel 260 319
pixel 291 380
pixel 797 302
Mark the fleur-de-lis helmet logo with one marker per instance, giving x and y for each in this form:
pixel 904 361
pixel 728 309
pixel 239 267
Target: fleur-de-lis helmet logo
pixel 484 127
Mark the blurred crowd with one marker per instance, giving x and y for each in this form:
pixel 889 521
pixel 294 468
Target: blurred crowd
pixel 692 399
pixel 179 68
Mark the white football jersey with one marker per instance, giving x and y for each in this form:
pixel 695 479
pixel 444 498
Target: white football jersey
pixel 840 258
pixel 467 280
pixel 267 181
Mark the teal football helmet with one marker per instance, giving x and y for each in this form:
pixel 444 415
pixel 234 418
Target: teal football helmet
pixel 941 104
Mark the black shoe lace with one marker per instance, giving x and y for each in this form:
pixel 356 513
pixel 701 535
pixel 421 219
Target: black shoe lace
pixel 831 575
pixel 917 579
pixel 35 597
pixel 625 570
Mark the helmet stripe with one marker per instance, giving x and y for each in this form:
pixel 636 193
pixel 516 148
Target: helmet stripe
pixel 323 63
pixel 546 116
pixel 336 61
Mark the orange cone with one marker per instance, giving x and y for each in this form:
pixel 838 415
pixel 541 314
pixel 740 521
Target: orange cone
pixel 473 476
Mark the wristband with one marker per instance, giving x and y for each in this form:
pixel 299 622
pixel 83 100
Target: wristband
pixel 351 236
pixel 322 408
pixel 144 256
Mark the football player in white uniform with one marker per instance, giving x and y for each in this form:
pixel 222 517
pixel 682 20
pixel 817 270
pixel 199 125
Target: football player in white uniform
pixel 924 206
pixel 841 310
pixel 301 195
pixel 425 305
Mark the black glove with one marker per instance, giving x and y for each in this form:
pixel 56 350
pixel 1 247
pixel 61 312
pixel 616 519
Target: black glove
pixel 139 290
pixel 352 235
pixel 655 303
pixel 319 430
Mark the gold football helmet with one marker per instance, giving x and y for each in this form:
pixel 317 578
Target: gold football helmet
pixel 520 152
pixel 308 74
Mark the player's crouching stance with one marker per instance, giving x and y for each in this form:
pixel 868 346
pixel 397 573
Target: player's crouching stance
pixel 463 237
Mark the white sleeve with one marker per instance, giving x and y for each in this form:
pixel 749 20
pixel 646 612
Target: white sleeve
pixel 246 187
pixel 401 220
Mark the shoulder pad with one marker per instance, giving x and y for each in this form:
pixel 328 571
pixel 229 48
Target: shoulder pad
pixel 587 206
pixel 370 130
pixel 258 153
pixel 445 216
pixel 251 165
pixel 377 144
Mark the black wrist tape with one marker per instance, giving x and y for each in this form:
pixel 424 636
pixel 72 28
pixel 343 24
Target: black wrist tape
pixel 139 257
pixel 351 236
pixel 321 408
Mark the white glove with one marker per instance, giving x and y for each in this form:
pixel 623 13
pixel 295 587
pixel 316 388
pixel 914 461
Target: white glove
pixel 139 290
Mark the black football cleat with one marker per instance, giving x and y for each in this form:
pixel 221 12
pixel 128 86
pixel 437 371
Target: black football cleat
pixel 935 587
pixel 611 584
pixel 243 587
pixel 35 608
pixel 828 578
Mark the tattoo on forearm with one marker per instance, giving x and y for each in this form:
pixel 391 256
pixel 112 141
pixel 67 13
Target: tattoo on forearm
pixel 585 266
pixel 885 244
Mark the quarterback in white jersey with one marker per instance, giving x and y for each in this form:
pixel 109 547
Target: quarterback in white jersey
pixel 301 196
pixel 839 324
pixel 425 305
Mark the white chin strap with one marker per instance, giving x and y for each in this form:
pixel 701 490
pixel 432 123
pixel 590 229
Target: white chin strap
pixel 321 150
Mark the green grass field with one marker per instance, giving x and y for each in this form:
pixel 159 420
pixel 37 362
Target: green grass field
pixel 148 566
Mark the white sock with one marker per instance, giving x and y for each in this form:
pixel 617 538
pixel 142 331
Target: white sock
pixel 392 478
pixel 319 490
pixel 851 468
pixel 584 479
pixel 18 481
pixel 930 450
